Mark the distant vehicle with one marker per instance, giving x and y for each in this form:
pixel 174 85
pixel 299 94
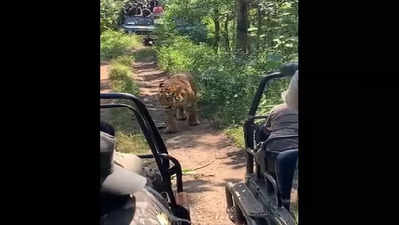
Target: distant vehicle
pixel 138 24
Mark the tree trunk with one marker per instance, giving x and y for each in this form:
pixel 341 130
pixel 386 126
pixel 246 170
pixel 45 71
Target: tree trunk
pixel 234 28
pixel 259 31
pixel 242 26
pixel 217 31
pixel 226 34
pixel 268 39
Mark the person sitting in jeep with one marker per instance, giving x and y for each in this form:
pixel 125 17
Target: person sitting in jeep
pixel 283 120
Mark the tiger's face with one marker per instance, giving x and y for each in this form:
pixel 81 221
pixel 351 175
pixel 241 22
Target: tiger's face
pixel 168 96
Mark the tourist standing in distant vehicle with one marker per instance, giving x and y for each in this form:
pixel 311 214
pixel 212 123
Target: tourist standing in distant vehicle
pixel 153 4
pixel 158 10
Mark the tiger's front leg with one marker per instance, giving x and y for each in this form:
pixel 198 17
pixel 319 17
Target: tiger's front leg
pixel 180 114
pixel 193 116
pixel 172 126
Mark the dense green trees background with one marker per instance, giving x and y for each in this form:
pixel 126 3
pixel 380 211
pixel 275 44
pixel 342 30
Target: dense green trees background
pixel 249 26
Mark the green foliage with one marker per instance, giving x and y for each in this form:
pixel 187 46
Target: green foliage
pixel 276 28
pixel 145 55
pixel 272 97
pixel 185 18
pixel 123 60
pixel 227 83
pixel 121 79
pixel 132 142
pixel 196 32
pixel 110 14
pixel 119 71
pixel 115 43
pixel 129 137
pixel 128 133
pixel 280 27
pixel 181 54
pixel 236 134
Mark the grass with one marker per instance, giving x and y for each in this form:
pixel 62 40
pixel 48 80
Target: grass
pixel 129 137
pixel 125 60
pixel 119 71
pixel 118 49
pixel 116 43
pixel 132 143
pixel 121 76
pixel 236 134
pixel 144 55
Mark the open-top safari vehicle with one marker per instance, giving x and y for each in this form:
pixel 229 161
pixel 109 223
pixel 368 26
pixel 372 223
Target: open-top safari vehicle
pixel 264 196
pixel 172 203
pixel 140 18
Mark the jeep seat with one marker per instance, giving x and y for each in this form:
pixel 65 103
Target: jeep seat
pixel 280 165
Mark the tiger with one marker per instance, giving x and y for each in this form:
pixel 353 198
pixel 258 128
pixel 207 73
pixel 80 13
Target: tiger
pixel 178 95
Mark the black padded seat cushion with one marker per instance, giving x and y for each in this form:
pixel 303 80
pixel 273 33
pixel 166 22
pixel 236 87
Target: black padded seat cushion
pixel 281 165
pixel 285 167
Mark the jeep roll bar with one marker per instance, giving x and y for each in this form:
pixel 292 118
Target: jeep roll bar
pixel 286 70
pixel 154 140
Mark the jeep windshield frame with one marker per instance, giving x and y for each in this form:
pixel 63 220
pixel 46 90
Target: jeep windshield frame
pixel 153 138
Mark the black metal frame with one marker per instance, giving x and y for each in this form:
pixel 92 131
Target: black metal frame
pixel 255 204
pixel 154 139
pixel 248 125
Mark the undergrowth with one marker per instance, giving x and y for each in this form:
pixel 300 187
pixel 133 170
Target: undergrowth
pixel 227 83
pixel 116 48
pixel 116 43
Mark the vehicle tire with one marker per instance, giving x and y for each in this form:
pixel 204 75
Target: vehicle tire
pixel 235 215
pixel 183 202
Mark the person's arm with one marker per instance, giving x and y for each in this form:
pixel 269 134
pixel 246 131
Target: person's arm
pixel 292 93
pixel 269 119
pixel 265 130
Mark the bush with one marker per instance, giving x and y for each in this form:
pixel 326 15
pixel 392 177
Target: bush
pixel 145 55
pixel 129 137
pixel 182 55
pixel 227 83
pixel 236 134
pixel 133 142
pixel 119 71
pixel 121 79
pixel 125 60
pixel 110 14
pixel 227 90
pixel 273 96
pixel 115 43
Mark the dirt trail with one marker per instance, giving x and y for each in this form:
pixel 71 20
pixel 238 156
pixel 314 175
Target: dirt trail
pixel 104 79
pixel 195 147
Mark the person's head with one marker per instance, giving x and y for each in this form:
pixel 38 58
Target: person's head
pixel 290 96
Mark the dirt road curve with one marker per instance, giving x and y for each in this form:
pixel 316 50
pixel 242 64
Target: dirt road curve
pixel 195 147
